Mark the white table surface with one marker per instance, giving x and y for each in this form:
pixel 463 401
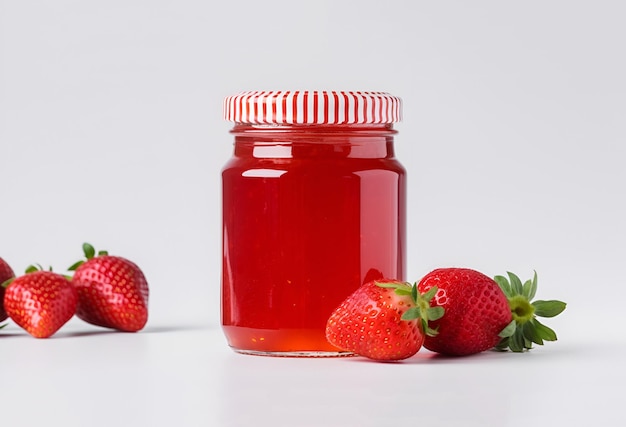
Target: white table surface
pixel 185 375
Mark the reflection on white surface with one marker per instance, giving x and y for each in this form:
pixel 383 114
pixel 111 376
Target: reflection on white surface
pixel 186 376
pixel 481 390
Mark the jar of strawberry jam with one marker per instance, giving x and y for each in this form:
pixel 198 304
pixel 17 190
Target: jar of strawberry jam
pixel 313 206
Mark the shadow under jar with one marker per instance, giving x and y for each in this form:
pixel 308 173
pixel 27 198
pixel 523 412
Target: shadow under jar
pixel 313 206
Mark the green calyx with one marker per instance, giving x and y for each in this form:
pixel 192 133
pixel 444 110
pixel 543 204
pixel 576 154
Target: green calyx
pixel 525 329
pixel 521 309
pixel 421 309
pixel 89 252
pixel 36 267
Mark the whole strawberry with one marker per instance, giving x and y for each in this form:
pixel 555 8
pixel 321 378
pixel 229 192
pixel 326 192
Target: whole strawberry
pixel 383 321
pixel 112 291
pixel 6 273
pixel 40 302
pixel 476 311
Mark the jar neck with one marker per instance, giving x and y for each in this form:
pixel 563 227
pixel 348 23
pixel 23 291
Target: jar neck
pixel 327 141
pixel 316 129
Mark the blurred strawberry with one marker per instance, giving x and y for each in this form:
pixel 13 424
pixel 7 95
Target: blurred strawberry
pixel 112 291
pixel 6 273
pixel 40 301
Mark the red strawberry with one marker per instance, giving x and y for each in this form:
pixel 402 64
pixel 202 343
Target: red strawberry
pixel 112 291
pixel 383 321
pixel 476 311
pixel 40 302
pixel 6 273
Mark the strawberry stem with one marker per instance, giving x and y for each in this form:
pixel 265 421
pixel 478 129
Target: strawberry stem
pixel 90 252
pixel 525 330
pixel 421 310
pixel 36 267
pixel 521 309
pixel 30 269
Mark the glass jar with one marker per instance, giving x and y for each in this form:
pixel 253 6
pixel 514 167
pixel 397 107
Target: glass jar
pixel 313 206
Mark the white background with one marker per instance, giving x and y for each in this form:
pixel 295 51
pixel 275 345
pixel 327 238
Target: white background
pixel 513 136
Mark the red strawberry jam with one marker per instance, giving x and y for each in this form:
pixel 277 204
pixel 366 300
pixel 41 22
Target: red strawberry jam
pixel 310 212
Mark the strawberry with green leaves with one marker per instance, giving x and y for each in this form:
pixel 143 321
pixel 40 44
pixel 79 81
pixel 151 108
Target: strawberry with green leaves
pixel 383 320
pixel 6 273
pixel 526 329
pixel 40 301
pixel 483 313
pixel 112 291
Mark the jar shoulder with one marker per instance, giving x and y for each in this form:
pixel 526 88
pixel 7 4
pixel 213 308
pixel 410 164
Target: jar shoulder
pixel 303 165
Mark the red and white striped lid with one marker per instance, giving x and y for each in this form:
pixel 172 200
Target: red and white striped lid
pixel 312 107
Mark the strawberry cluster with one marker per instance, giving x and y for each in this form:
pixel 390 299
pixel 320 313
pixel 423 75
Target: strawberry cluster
pixel 104 290
pixel 451 311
